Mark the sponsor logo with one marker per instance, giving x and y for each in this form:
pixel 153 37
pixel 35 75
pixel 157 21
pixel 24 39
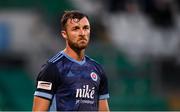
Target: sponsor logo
pixel 85 101
pixel 44 85
pixel 85 92
pixel 94 76
pixel 70 74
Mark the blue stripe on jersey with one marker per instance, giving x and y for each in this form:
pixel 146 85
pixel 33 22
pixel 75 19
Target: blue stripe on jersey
pixel 78 62
pixel 105 96
pixel 54 57
pixel 53 104
pixel 57 58
pixel 42 94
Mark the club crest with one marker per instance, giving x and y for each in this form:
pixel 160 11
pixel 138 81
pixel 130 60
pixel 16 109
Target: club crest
pixel 94 76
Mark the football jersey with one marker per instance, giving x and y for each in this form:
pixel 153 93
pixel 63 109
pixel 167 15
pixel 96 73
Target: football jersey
pixel 72 85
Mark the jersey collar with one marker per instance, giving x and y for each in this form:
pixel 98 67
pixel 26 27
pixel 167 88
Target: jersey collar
pixel 71 59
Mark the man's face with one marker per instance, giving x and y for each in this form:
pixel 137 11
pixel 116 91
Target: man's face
pixel 77 33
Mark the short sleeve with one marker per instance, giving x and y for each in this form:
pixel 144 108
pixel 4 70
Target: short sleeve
pixel 103 88
pixel 46 82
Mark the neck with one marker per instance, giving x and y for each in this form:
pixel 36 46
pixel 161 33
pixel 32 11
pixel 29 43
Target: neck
pixel 77 55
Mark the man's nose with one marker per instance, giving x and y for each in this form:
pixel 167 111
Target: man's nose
pixel 82 32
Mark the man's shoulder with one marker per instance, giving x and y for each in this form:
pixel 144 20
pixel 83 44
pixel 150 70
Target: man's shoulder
pixel 55 58
pixel 51 62
pixel 96 64
pixel 47 66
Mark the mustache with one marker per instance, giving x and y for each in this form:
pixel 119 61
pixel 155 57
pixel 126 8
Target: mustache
pixel 82 38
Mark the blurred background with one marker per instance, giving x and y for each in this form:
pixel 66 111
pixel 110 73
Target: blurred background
pixel 136 41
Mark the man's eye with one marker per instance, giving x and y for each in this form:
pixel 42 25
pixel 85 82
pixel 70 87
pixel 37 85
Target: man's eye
pixel 75 28
pixel 86 28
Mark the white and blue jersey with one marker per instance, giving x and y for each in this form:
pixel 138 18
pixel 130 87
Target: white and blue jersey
pixel 72 85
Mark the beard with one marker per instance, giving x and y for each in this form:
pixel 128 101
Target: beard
pixel 79 45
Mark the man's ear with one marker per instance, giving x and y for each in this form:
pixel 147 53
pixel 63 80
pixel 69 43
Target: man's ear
pixel 64 34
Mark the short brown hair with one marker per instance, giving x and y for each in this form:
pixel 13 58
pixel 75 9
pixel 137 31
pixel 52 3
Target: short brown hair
pixel 71 15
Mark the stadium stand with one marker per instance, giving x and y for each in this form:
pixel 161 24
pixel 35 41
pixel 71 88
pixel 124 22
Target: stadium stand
pixel 130 85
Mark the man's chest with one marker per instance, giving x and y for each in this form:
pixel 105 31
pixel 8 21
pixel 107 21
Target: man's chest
pixel 80 77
